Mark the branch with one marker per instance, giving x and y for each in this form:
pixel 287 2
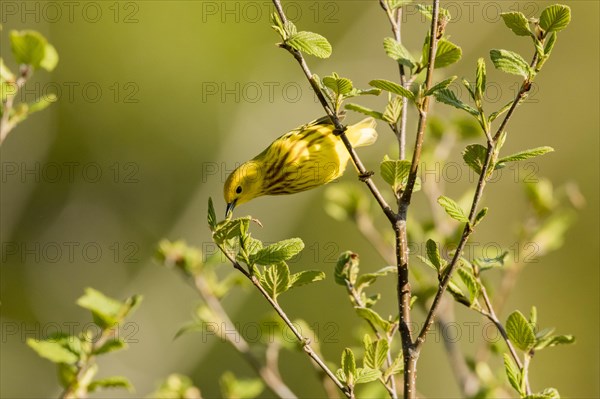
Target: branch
pixel 364 175
pixel 395 18
pixel 269 374
pixel 5 124
pixel 304 341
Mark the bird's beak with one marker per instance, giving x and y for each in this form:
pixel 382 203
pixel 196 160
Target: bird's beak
pixel 229 209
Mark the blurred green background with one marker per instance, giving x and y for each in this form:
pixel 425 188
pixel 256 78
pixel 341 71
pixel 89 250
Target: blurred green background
pixel 158 101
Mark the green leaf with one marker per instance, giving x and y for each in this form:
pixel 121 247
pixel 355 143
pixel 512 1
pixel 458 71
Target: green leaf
pixel 393 110
pixel 50 59
pixel 53 351
pixel 480 215
pixel 396 367
pixel 472 285
pixel 433 254
pixel 550 341
pixel 452 209
pixel 365 375
pixel 447 96
pixel 398 52
pixel 41 103
pixel 474 156
pixel 346 268
pixel 28 47
pixel 276 279
pixel 243 388
pixel 375 354
pixel 310 43
pixel 548 393
pixel 394 4
pixel 480 79
pixel 110 382
pixel 344 201
pixel 212 216
pixel 365 280
pixel 510 62
pixel 106 310
pixel 349 365
pixel 427 11
pixel 517 22
pixel 555 18
pixel 550 42
pixel 527 154
pixel 458 294
pixel 5 73
pixel 277 25
pixel 278 252
pixel 513 374
pixel 364 111
pixel 339 85
pixel 395 172
pixel 439 86
pixel 373 317
pixel 305 277
pixel 447 54
pixel 520 331
pixel 392 88
pixel 228 229
pixel 501 111
pixel 110 346
pixel 490 263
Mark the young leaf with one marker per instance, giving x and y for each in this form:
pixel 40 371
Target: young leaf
pixel 346 268
pixel 517 22
pixel 212 216
pixel 553 341
pixel 474 156
pixel 439 86
pixel 458 294
pixel 480 215
pixel 242 388
pixel 373 317
pixel 53 351
pixel 480 79
pixel 550 42
pixel 365 280
pixel 364 111
pixel 447 96
pixel 278 252
pixel 452 209
pixel 305 277
pixel 110 346
pixel 393 110
pixel 310 43
pixel 228 229
pixel 106 310
pixel 276 279
pixel 510 62
pixel 375 354
pixel 396 368
pixel 392 88
pixel 527 154
pixel 41 103
pixel 31 48
pixel 365 375
pixel 433 254
pixel 472 284
pixel 520 331
pixel 340 86
pixel 110 383
pixel 513 373
pixel 502 110
pixel 394 172
pixel 447 53
pixel 398 52
pixel 555 18
pixel 349 365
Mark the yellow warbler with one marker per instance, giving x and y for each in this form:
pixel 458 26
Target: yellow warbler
pixel 305 158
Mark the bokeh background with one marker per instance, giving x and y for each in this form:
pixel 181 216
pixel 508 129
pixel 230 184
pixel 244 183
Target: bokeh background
pixel 158 101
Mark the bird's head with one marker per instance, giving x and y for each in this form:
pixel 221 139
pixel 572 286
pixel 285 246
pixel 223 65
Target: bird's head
pixel 242 185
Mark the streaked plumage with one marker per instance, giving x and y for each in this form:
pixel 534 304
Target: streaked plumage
pixel 305 158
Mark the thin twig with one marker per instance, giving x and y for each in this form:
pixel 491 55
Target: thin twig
pixel 304 341
pixel 410 349
pixel 5 124
pixel 269 374
pixel 390 385
pixel 364 175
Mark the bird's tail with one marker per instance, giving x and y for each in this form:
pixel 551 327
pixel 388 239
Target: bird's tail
pixel 363 133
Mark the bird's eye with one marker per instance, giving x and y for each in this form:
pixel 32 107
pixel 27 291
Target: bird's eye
pixel 238 190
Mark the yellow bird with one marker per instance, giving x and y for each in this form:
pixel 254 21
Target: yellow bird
pixel 305 158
